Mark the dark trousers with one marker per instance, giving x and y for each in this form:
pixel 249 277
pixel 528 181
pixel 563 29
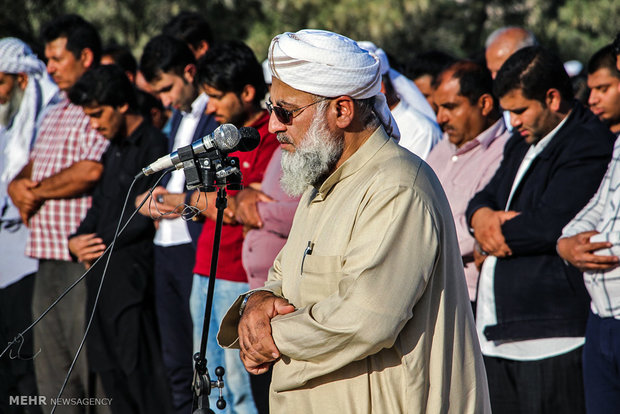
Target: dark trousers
pixel 260 390
pixel 601 365
pixel 547 386
pixel 58 335
pixel 174 273
pixel 17 369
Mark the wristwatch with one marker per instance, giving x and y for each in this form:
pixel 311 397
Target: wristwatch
pixel 244 302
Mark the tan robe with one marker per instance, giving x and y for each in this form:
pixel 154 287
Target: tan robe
pixel 383 321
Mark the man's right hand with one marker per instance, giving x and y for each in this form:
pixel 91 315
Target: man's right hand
pixel 258 350
pixel 20 191
pixel 579 251
pixel 86 248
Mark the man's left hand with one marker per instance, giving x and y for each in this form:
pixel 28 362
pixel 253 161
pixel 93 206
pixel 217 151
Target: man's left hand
pixel 258 350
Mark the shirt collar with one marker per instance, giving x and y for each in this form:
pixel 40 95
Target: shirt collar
pixel 540 145
pixel 198 106
pixel 355 162
pixel 484 139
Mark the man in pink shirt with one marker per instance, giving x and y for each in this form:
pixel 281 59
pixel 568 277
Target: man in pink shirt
pixel 233 79
pixel 466 161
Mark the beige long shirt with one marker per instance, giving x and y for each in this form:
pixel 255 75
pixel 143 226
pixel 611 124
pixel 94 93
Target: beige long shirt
pixel 383 321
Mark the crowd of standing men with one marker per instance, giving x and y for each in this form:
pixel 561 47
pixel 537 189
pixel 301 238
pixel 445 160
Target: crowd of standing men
pixel 347 276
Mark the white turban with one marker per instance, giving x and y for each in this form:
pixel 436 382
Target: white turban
pixel 404 87
pixel 328 64
pixel 17 57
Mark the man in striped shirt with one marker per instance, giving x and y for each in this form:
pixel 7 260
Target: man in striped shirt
pixel 591 243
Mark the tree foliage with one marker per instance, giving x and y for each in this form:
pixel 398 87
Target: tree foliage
pixel 574 28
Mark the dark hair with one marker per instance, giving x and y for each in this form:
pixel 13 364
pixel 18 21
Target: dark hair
pixel 229 67
pixel 104 85
pixel 534 70
pixel 122 56
pixel 146 102
pixel 189 27
pixel 428 63
pixel 474 80
pixel 165 54
pixel 80 35
pixel 605 58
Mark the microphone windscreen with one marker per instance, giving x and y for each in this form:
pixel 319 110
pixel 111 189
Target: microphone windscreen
pixel 250 138
pixel 227 137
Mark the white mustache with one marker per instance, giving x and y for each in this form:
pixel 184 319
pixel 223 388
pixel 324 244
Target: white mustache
pixel 283 139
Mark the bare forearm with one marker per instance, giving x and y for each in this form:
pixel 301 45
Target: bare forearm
pixel 72 181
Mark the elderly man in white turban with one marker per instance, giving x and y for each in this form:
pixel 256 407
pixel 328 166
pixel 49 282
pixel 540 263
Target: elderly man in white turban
pixel 419 131
pixel 365 309
pixel 25 92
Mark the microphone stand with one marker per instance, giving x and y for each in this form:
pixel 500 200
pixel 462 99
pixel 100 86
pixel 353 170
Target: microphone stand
pixel 209 173
pixel 202 383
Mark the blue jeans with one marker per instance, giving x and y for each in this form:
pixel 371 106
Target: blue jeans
pixel 237 391
pixel 601 365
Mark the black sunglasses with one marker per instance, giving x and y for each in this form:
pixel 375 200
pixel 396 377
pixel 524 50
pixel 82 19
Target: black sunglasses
pixel 284 115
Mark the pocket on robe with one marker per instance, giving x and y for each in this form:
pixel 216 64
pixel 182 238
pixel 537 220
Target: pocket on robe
pixel 320 277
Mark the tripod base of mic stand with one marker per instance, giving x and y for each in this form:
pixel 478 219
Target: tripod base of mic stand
pixel 203 386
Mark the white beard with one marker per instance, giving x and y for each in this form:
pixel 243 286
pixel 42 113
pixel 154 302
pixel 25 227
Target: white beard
pixel 9 109
pixel 313 159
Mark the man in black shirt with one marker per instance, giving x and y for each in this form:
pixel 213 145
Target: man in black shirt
pixel 123 347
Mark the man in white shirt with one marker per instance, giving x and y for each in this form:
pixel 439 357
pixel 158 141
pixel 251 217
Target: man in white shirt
pixel 169 66
pixel 414 116
pixel 26 91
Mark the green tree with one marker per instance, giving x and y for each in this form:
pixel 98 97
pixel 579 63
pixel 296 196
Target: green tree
pixel 575 29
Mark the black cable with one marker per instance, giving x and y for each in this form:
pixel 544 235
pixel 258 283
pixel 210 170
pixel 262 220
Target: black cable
pixel 19 337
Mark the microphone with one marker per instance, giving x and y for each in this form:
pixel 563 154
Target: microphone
pixel 226 138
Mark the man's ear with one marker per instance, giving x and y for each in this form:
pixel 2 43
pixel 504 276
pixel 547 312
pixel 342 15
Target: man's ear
pixel 248 94
pixel 344 107
pixel 22 80
pixel 485 103
pixel 87 58
pixel 199 50
pixel 123 108
pixel 553 99
pixel 189 72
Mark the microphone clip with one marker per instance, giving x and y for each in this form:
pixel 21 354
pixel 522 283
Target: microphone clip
pixel 210 170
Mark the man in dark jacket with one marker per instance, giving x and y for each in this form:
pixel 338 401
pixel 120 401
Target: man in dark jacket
pixel 532 308
pixel 123 345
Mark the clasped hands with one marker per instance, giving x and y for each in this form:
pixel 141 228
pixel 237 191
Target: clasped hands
pixel 487 226
pixel 21 191
pixel 258 350
pixel 242 208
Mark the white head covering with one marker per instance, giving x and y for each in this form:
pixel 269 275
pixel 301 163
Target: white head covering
pixel 17 57
pixel 405 88
pixel 266 71
pixel 328 64
pixel 573 68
